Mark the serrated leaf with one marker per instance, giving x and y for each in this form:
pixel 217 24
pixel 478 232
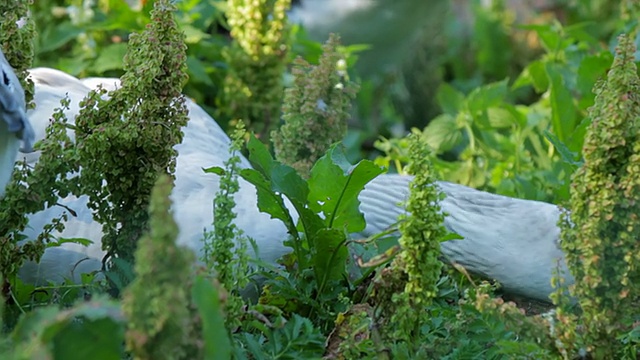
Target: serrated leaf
pixel 487 96
pixel 443 133
pixel 449 99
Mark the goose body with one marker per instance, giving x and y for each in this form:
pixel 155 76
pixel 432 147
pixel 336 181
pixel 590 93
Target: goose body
pixel 511 240
pixel 14 124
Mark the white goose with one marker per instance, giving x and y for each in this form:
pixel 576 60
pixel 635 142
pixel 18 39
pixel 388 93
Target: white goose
pixel 14 124
pixel 513 241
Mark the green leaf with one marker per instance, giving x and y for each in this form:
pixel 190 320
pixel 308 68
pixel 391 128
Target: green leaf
pixel 90 330
pixel 567 155
pixel 450 99
pixel 273 180
pixel 334 188
pixel 487 96
pixel 501 117
pixel 268 201
pixel 592 68
pixel 197 71
pixel 60 241
pixel 535 75
pixel 259 156
pixel 64 33
pixel 217 345
pixel 563 110
pixel 330 258
pixel 110 58
pixel 215 170
pixel 443 133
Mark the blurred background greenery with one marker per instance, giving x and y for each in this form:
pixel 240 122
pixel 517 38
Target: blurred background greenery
pixel 499 88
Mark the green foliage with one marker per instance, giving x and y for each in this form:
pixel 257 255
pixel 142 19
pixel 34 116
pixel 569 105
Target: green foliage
pixel 225 247
pixel 156 303
pixel 109 147
pixel 486 139
pixel 30 190
pixel 495 53
pixel 319 242
pixel 49 333
pixel 206 297
pixel 315 109
pixel 257 59
pixel 17 32
pixel 296 338
pixel 421 233
pixel 600 235
pixel 521 139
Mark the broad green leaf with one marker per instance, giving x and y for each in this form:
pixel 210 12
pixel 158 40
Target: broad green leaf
pixel 534 74
pixel 110 58
pixel 450 99
pixel 331 254
pixel 563 110
pixel 501 117
pixel 90 330
pixel 273 180
pixel 287 181
pixel 592 68
pixel 443 133
pixel 217 345
pixel 64 33
pixel 259 156
pixel 487 96
pixel 268 201
pixel 550 37
pixel 198 71
pixel 334 188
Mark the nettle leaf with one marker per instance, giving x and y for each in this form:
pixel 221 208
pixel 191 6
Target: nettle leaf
pixel 443 133
pixel 450 100
pixel 334 188
pixel 534 74
pixel 487 96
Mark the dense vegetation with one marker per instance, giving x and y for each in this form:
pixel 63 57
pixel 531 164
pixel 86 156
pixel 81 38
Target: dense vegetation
pixel 547 110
